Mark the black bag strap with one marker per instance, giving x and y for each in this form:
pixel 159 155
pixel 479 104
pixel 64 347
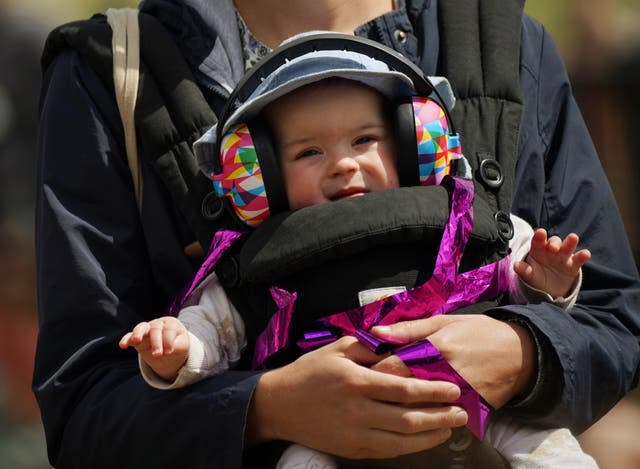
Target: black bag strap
pixel 171 111
pixel 480 55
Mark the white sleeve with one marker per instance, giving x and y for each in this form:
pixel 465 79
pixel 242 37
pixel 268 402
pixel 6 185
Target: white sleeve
pixel 527 447
pixel 521 292
pixel 216 336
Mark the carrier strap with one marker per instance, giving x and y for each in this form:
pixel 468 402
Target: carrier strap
pixel 171 111
pixel 480 54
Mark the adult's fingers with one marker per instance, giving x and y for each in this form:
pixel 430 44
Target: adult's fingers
pixel 409 331
pixel 393 381
pixel 380 444
pixel 410 420
pixel 407 390
pixel 393 365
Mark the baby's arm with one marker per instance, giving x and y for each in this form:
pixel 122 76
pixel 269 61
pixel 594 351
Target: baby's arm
pixel 552 264
pixel 213 332
pixel 163 344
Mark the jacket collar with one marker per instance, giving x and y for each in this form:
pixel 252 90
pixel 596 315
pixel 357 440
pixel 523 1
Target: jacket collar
pixel 208 37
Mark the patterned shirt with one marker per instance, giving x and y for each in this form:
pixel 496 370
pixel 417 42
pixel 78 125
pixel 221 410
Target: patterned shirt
pixel 252 49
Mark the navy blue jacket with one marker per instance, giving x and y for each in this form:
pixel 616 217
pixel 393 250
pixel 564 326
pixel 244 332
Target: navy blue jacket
pixel 102 267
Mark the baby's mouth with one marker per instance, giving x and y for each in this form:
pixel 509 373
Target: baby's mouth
pixel 348 193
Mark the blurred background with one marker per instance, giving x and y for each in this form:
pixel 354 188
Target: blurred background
pixel 599 40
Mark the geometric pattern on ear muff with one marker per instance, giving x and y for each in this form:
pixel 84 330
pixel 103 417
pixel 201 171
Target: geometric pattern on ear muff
pixel 241 179
pixel 436 147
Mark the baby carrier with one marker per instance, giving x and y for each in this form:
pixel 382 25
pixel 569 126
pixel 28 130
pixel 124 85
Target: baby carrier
pixel 366 248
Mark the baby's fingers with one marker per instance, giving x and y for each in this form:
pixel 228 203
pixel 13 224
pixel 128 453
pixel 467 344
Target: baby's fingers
pixel 125 342
pixel 139 333
pixel 156 333
pixel 581 257
pixel 524 271
pixel 539 240
pixel 554 243
pixel 168 339
pixel 569 245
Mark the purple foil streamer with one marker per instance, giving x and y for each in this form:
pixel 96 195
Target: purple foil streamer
pixel 276 335
pixel 373 343
pixel 426 362
pixel 307 344
pixel 221 241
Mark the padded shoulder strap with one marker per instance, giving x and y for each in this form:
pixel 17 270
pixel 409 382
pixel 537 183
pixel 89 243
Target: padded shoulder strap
pixel 480 54
pixel 171 111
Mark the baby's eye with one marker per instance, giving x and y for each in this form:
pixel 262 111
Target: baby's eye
pixel 363 139
pixel 308 152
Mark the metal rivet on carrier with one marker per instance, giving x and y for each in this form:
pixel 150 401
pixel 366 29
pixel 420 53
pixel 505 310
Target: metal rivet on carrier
pixel 400 36
pixel 212 207
pixel 504 225
pixel 491 173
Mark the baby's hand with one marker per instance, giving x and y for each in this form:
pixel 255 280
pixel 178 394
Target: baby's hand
pixel 162 343
pixel 552 265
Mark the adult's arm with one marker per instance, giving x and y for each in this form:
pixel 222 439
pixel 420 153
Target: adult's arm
pixel 98 275
pixel 589 357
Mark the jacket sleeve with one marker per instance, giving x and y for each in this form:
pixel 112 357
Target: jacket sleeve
pixel 95 281
pixel 589 355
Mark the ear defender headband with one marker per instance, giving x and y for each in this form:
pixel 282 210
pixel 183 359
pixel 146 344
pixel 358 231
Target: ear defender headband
pixel 244 167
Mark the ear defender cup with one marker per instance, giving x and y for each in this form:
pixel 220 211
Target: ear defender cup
pixel 436 147
pixel 247 173
pixel 251 183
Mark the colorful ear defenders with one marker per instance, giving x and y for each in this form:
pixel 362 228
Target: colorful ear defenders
pixel 247 172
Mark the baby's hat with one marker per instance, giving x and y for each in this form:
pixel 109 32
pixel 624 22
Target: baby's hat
pixel 309 68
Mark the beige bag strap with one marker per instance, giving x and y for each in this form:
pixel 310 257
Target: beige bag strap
pixel 125 43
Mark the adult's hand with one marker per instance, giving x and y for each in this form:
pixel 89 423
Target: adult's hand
pixel 330 400
pixel 497 358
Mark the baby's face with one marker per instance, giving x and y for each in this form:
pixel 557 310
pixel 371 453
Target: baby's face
pixel 333 143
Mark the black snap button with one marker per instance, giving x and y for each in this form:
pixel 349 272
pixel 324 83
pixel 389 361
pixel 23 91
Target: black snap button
pixel 212 207
pixel 491 173
pixel 400 36
pixel 228 272
pixel 503 223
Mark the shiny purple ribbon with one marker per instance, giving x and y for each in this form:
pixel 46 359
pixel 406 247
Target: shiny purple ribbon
pixel 277 331
pixel 426 362
pixel 445 291
pixel 221 241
